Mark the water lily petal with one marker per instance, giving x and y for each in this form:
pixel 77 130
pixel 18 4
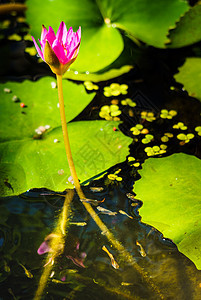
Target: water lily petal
pixel 59 51
pixel 43 34
pixel 37 48
pixel 62 32
pixel 50 36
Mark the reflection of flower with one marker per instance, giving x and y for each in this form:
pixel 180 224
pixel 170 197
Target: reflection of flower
pixel 72 252
pixel 59 51
pixel 115 89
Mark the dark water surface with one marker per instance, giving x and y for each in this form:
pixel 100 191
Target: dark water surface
pixel 27 219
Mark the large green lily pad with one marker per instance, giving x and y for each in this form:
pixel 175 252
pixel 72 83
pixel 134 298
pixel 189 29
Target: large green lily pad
pixel 170 189
pixel 187 30
pixel 41 108
pixel 102 43
pixel 190 76
pixel 26 161
pixel 30 163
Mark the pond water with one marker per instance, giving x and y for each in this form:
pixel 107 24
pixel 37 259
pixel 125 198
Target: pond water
pixel 89 266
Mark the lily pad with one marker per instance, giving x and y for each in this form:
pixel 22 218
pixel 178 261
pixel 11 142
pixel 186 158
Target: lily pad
pixel 190 76
pixel 41 109
pixel 170 190
pixel 30 163
pixel 97 77
pixel 187 30
pixel 101 42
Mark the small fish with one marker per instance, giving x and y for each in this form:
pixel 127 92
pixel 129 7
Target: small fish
pixel 106 211
pixel 126 283
pixel 124 213
pixel 131 196
pixel 142 252
pixel 27 272
pixel 91 201
pixel 96 189
pixel 113 262
pixel 78 223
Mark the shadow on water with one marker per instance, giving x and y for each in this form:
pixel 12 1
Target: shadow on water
pixel 85 270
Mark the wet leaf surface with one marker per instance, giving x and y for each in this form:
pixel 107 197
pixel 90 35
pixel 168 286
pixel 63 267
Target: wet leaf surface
pixel 170 190
pixel 101 41
pixel 29 162
pixel 189 75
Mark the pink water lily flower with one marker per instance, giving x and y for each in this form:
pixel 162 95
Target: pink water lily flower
pixel 59 51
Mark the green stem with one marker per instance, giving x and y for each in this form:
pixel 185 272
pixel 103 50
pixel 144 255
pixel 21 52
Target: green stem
pixel 66 139
pixel 125 254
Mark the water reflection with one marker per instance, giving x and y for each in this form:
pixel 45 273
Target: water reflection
pixel 85 270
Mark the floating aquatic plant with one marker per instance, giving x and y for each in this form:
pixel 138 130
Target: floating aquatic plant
pixel 165 114
pixel 90 86
pixel 110 112
pixel 155 150
pixel 115 89
pixel 198 129
pixel 166 137
pixel 180 125
pixel 148 116
pixel 147 139
pixel 185 138
pixel 128 102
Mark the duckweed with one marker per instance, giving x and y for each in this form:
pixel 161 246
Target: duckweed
pixel 31 51
pixel 110 112
pixel 198 129
pixel 166 137
pixel 132 162
pixel 148 116
pixel 147 139
pixel 15 37
pixel 90 86
pixel 136 130
pixel 165 114
pixel 115 176
pixel 179 125
pixel 115 89
pixel 155 150
pixel 128 102
pixel 185 138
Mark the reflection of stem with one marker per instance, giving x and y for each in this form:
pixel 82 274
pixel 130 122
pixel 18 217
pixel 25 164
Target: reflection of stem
pixel 56 245
pixel 8 8
pixel 125 255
